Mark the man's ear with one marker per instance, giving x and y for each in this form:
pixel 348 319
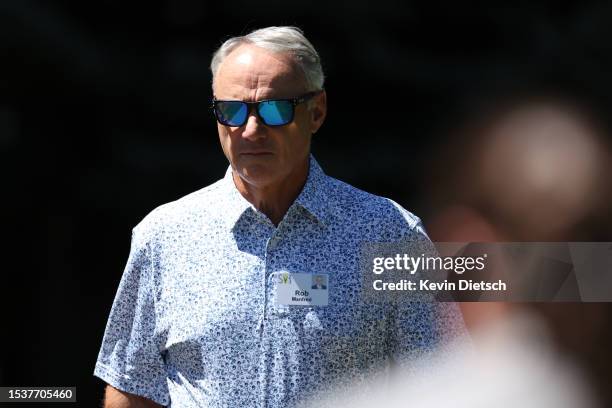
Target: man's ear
pixel 318 112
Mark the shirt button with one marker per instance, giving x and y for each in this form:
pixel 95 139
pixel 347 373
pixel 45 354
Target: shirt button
pixel 273 243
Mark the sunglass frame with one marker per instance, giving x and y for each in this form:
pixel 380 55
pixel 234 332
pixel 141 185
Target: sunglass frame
pixel 294 102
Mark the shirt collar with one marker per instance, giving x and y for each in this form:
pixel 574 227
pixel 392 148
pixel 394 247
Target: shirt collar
pixel 312 197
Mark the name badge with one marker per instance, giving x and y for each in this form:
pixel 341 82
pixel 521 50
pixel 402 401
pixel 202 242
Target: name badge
pixel 302 289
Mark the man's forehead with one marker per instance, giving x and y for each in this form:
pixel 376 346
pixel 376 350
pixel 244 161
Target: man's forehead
pixel 256 69
pixel 252 56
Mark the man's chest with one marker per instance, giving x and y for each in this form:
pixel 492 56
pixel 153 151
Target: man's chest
pixel 221 309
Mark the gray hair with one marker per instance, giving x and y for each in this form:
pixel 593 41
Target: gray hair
pixel 280 40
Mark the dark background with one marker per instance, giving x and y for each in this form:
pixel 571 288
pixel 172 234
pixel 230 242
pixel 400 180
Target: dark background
pixel 104 115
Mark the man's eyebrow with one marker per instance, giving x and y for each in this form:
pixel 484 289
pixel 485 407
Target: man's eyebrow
pixel 265 98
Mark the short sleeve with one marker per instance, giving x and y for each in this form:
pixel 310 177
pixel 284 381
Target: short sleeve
pixel 422 324
pixel 130 358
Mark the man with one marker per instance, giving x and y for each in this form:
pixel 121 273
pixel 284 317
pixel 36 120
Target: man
pixel 211 310
pixel 319 282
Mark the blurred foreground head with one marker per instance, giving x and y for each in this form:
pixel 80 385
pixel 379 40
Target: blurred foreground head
pixel 530 169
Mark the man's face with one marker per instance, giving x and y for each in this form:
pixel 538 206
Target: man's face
pixel 261 155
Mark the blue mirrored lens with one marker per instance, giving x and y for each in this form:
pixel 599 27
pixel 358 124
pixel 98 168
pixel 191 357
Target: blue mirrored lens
pixel 275 113
pixel 232 113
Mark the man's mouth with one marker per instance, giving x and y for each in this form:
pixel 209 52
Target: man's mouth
pixel 256 153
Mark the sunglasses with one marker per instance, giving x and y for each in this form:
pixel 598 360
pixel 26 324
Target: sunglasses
pixel 272 112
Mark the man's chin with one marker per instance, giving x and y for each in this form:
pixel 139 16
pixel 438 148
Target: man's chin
pixel 257 174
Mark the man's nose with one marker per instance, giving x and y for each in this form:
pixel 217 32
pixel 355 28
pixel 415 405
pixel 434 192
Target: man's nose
pixel 253 128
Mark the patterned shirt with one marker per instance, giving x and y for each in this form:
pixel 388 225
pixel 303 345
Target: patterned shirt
pixel 195 323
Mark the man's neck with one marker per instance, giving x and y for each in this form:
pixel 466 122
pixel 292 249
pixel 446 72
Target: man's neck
pixel 274 200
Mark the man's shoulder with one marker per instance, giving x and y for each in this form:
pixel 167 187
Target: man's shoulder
pixel 353 202
pixel 188 209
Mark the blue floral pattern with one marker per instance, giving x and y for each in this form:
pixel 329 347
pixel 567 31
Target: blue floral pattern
pixel 194 322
